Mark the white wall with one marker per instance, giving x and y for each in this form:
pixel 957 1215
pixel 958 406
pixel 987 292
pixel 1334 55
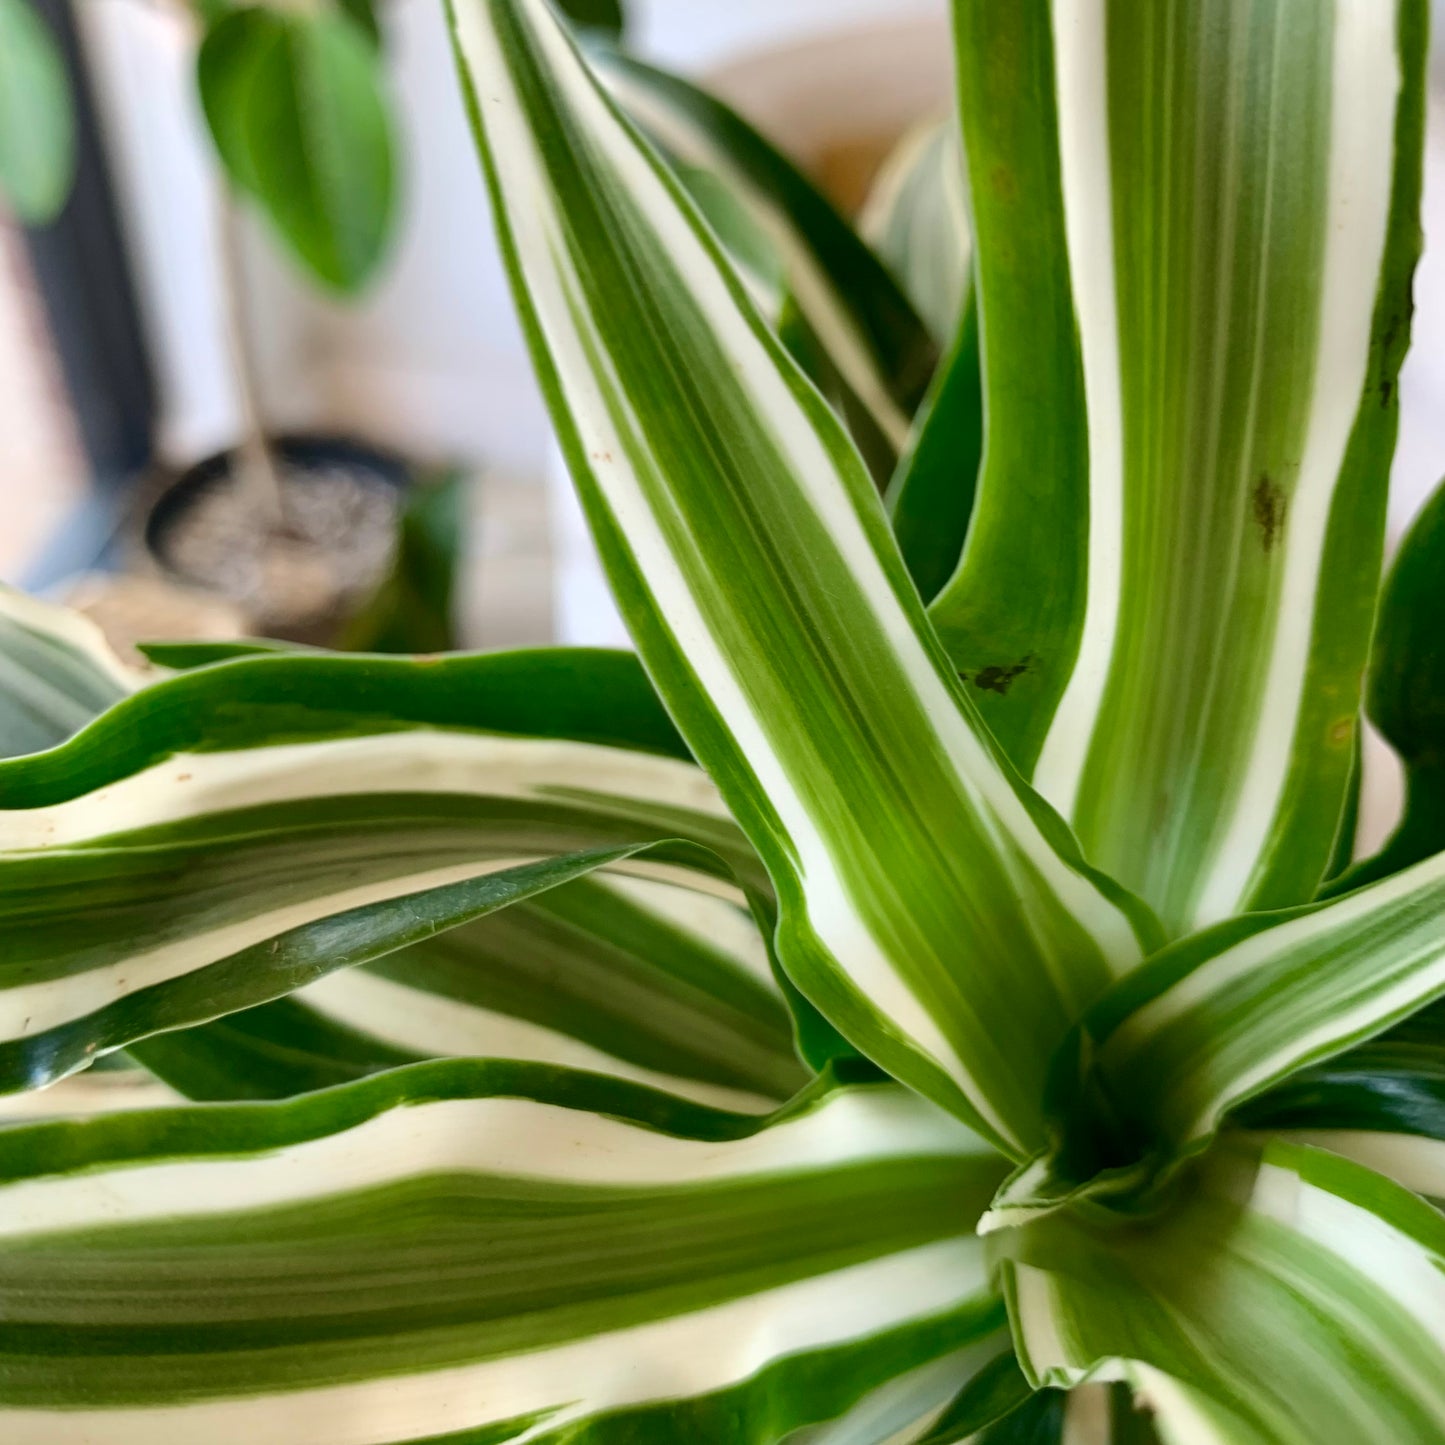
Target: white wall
pixel 433 359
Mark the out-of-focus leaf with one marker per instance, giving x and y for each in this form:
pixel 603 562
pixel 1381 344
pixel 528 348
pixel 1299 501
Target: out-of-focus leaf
pixel 1406 693
pixel 916 219
pixel 297 107
pixel 412 609
pixel 363 12
pixel 607 17
pixel 226 65
pixel 56 673
pixel 37 128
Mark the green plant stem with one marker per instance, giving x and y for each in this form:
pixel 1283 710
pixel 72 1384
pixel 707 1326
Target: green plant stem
pixel 254 469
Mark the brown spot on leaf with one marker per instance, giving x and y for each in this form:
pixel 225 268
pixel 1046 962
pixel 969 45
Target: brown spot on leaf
pixel 1003 184
pixel 1393 331
pixel 183 777
pixel 999 679
pixel 1268 507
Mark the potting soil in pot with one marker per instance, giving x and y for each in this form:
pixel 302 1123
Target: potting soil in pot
pixel 333 545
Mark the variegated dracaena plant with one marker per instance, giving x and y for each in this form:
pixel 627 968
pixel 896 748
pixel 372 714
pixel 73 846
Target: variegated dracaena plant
pixel 920 999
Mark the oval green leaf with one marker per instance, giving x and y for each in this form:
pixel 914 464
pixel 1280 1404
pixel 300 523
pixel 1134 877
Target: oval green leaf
pixel 297 109
pixel 37 129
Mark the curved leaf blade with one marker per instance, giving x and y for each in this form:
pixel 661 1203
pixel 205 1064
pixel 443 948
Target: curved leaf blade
pixel 252 1272
pixel 1195 236
pixel 56 673
pixel 1382 1105
pixel 215 841
pixel 1217 1020
pixel 865 325
pixel 749 553
pixel 621 976
pixel 1288 1299
pixel 37 127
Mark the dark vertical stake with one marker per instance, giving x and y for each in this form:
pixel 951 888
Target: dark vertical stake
pixel 81 270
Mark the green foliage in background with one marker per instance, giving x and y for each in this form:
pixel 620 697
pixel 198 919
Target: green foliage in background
pixel 296 106
pixel 412 610
pixel 37 131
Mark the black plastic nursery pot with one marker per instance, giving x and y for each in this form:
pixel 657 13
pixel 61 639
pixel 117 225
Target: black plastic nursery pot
pixel 299 576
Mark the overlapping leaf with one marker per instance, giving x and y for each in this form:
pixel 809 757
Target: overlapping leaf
pixel 870 337
pixel 1406 695
pixel 1217 1020
pixel 916 219
pixel 489 1252
pixel 935 913
pixel 235 832
pixel 1196 226
pixel 1293 1299
pixel 627 977
pixel 56 673
pixel 1381 1104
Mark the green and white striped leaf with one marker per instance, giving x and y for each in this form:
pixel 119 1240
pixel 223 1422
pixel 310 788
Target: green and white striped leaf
pixel 623 976
pixel 999 1407
pixel 235 832
pixel 1294 1300
pixel 1195 229
pixel 916 220
pixel 902 1411
pixel 486 1252
pixel 1382 1105
pixel 935 913
pixel 101 1089
pixel 865 326
pixel 1217 1020
pixel 56 673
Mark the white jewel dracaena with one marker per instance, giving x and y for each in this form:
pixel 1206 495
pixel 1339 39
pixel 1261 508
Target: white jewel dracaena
pixel 732 1043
